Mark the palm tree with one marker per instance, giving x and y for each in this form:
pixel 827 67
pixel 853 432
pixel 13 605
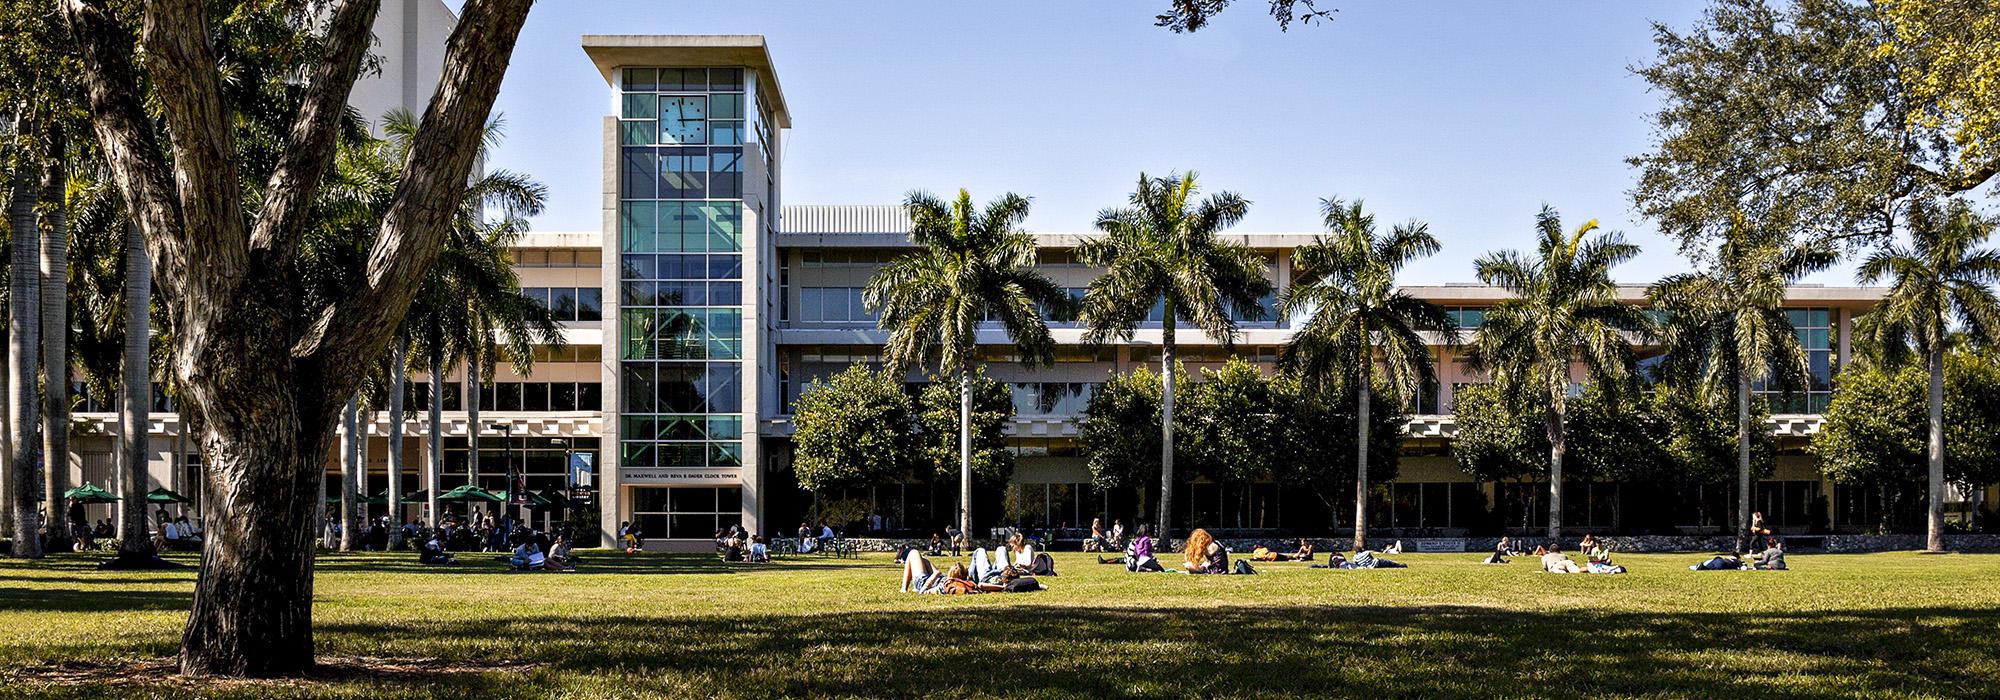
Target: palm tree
pixel 1359 322
pixel 1940 277
pixel 1563 306
pixel 24 349
pixel 976 264
pixel 136 380
pixel 54 233
pixel 470 296
pixel 1726 327
pixel 1163 249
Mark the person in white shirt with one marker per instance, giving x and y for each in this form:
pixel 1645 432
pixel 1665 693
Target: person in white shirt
pixel 1024 553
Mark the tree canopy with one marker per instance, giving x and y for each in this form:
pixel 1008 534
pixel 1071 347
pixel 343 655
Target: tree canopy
pixel 853 429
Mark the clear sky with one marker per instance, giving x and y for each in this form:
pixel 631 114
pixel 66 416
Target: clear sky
pixel 1465 115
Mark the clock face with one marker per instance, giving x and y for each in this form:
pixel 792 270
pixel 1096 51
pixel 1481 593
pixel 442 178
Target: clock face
pixel 683 119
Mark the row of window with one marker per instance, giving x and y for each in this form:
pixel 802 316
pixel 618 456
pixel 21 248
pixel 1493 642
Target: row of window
pixel 569 303
pixel 681 266
pixel 1052 398
pixel 543 396
pixel 682 80
pixel 680 227
pixel 681 387
pixel 683 172
pixel 681 334
pixel 685 512
pixel 647 454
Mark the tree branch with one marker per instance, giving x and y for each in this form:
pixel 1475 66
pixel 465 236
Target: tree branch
pixel 348 333
pixel 182 63
pixel 309 150
pixel 131 150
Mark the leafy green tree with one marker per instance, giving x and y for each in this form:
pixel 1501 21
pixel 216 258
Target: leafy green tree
pixel 1360 323
pixel 1726 326
pixel 939 421
pixel 1949 53
pixel 265 359
pixel 1236 424
pixel 1121 431
pixel 1563 308
pixel 1942 276
pixel 1164 250
pixel 1817 112
pixel 853 429
pixel 1871 433
pixel 975 264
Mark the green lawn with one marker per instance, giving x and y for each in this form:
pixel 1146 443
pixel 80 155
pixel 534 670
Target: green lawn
pixel 1884 624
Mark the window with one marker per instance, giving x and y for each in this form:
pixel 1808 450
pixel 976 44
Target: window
pixel 1817 336
pixel 833 305
pixel 568 303
pixel 1052 398
pixel 542 396
pixel 1468 317
pixel 685 512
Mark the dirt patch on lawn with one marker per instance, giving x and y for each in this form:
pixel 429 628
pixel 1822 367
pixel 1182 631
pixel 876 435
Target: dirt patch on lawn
pixel 331 669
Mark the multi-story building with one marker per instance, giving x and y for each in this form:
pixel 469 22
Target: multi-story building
pixel 704 306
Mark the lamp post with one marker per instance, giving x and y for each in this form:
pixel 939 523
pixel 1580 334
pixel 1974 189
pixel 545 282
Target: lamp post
pixel 569 475
pixel 507 458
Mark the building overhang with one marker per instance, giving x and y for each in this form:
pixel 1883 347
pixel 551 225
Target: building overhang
pixel 609 52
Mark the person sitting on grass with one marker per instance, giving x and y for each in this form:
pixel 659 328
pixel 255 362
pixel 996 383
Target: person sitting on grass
pixel 1204 555
pixel 1138 554
pixel 1773 556
pixel 759 551
pixel 433 553
pixel 528 557
pixel 1098 541
pixel 1556 562
pixel 1500 552
pixel 559 557
pixel 1021 553
pixel 937 545
pixel 1597 556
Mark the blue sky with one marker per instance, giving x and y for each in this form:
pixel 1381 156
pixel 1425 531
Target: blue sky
pixel 1465 115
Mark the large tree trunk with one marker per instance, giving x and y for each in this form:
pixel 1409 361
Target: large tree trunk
pixel 1934 537
pixel 964 453
pixel 262 383
pixel 24 355
pixel 54 234
pixel 396 368
pixel 1361 464
pixel 135 381
pixel 434 467
pixel 6 445
pixel 1558 445
pixel 1167 368
pixel 1743 485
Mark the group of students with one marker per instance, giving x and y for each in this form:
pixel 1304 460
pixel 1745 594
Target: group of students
pixel 1016 568
pixel 734 544
pixel 1597 557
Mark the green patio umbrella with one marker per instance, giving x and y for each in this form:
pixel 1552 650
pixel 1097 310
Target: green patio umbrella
pixel 469 492
pixel 535 500
pixel 555 498
pixel 413 499
pixel 380 499
pixel 90 493
pixel 164 495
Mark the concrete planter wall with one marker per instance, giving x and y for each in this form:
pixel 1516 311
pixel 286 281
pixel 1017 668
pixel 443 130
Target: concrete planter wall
pixel 1832 544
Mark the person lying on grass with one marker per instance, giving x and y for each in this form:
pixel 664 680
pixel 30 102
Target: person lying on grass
pixel 1303 553
pixel 1364 559
pixel 1556 562
pixel 920 576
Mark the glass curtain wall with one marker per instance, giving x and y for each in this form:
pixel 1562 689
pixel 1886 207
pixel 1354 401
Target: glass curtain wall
pixel 681 274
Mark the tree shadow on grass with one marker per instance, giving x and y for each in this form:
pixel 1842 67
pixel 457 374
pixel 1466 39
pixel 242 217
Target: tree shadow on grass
pixel 488 563
pixel 954 649
pixel 92 600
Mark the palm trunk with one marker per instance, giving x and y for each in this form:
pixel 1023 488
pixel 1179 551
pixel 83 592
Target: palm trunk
pixel 1361 465
pixel 965 453
pixel 1167 424
pixel 396 379
pixel 135 375
pixel 6 445
pixel 1934 538
pixel 434 467
pixel 55 340
pixel 1558 445
pixel 24 355
pixel 350 422
pixel 474 379
pixel 1743 485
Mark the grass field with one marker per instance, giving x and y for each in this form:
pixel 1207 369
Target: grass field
pixel 683 625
